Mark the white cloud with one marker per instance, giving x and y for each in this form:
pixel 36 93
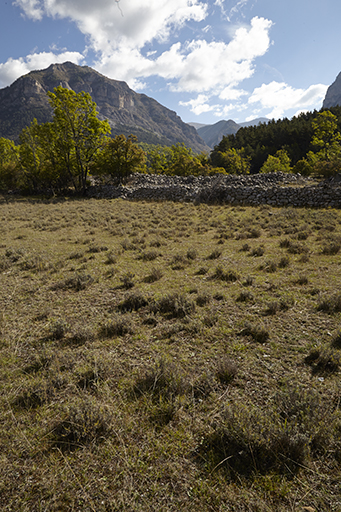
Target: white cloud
pixel 197 66
pixel 32 8
pixel 13 68
pixel 199 105
pixel 142 20
pixel 230 93
pixel 281 97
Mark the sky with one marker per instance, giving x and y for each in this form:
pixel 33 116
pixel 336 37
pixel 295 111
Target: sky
pixel 208 60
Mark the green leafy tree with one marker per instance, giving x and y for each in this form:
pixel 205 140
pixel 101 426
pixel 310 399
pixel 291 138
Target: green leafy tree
pixel 278 163
pixel 234 161
pixel 327 140
pixel 79 134
pixel 32 157
pixel 326 136
pixel 120 157
pixel 9 158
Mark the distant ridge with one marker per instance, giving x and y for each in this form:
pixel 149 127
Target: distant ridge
pixel 127 111
pixel 213 133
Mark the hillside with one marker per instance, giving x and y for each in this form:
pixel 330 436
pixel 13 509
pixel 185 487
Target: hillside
pixel 127 111
pixel 212 134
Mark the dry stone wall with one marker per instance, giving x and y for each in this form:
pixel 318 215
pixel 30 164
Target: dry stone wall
pixel 277 189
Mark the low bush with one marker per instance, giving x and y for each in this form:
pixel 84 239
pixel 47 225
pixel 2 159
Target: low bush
pixel 175 305
pixel 84 422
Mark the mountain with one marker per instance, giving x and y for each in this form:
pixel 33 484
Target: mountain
pixel 127 111
pixel 333 94
pixel 213 133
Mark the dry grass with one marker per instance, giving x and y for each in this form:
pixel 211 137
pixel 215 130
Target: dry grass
pixel 139 373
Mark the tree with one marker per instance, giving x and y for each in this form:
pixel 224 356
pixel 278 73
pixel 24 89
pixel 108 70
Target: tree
pixel 278 163
pixel 9 158
pixel 234 161
pixel 326 135
pixel 31 157
pixel 120 157
pixel 78 133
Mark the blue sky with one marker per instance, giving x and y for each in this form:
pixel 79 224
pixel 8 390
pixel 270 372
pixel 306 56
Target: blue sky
pixel 207 60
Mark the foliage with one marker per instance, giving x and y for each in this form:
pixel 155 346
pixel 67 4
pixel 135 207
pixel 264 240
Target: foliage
pixel 176 160
pixel 78 133
pixel 294 135
pixel 8 163
pixel 278 163
pixel 234 161
pixel 119 157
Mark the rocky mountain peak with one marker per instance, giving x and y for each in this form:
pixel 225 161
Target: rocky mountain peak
pixel 127 111
pixel 333 94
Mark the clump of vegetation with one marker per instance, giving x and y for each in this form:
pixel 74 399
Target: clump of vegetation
pixel 77 282
pixel 155 275
pixel 83 422
pixel 330 304
pixel 226 370
pixel 323 361
pixel 133 302
pixel 117 326
pixel 174 306
pixel 225 275
pixel 258 332
pixel 161 380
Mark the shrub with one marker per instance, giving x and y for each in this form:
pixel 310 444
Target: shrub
pixel 84 422
pixel 154 276
pixel 245 442
pixel 215 254
pixel 127 280
pixel 148 256
pixel 203 299
pixel 226 370
pixel 192 254
pixel 331 304
pixel 323 362
pixel 77 282
pixel 35 395
pixel 174 306
pixel 257 251
pixel 162 380
pixel 245 296
pixel 119 326
pixel 222 275
pixel 58 329
pixel 133 302
pixel 258 332
pixel 336 341
pixel 331 249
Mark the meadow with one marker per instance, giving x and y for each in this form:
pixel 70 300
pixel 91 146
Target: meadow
pixel 169 356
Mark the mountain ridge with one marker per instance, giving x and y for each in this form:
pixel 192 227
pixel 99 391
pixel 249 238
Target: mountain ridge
pixel 212 134
pixel 127 111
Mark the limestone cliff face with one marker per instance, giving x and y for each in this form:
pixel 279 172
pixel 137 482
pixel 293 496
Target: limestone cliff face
pixel 127 111
pixel 333 95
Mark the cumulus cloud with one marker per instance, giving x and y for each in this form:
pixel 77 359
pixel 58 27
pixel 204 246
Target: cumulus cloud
pixel 196 66
pixel 199 105
pixel 102 21
pixel 280 97
pixel 13 68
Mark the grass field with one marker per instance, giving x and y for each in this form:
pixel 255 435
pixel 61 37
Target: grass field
pixel 169 357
